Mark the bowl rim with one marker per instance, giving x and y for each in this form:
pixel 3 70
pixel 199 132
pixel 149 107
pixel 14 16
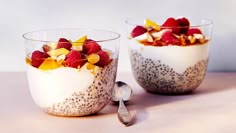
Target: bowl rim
pixel 25 35
pixel 208 22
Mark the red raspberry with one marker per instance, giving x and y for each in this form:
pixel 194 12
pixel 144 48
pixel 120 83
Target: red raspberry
pixel 74 59
pixel 104 58
pixel 184 23
pixel 193 31
pixel 169 38
pixel 37 58
pixel 171 23
pixel 138 30
pixel 64 43
pixel 90 47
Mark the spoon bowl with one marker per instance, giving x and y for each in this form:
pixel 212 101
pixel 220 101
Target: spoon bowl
pixel 122 91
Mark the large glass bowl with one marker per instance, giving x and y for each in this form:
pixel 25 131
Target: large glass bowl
pixel 67 91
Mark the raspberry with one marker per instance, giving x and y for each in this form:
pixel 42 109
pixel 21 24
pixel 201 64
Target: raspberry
pixel 104 58
pixel 171 23
pixel 169 38
pixel 184 23
pixel 90 47
pixel 138 30
pixel 37 58
pixel 74 59
pixel 193 31
pixel 64 43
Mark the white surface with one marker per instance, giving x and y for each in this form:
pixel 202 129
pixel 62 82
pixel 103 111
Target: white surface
pixel 54 86
pixel 210 109
pixel 18 17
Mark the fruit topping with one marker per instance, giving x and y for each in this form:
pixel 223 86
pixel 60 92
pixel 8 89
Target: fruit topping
pixel 145 36
pixel 104 58
pixel 149 24
pixel 37 58
pixel 66 53
pixel 90 47
pixel 64 43
pixel 169 38
pixel 138 30
pixel 171 23
pixel 74 59
pixel 93 58
pixel 193 31
pixel 48 64
pixel 171 32
pixel 184 25
pixel 58 52
pixel 80 41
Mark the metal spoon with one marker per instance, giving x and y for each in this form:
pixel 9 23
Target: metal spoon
pixel 122 93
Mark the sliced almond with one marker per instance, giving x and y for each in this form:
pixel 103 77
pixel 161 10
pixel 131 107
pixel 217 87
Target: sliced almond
pixel 182 40
pixel 60 59
pixel 149 38
pixel 142 37
pixel 58 52
pixel 145 37
pixel 79 48
pixel 53 45
pixel 192 39
pixel 198 36
pixel 202 40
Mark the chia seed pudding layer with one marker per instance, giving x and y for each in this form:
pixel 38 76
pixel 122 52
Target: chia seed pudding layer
pixel 156 77
pixel 92 99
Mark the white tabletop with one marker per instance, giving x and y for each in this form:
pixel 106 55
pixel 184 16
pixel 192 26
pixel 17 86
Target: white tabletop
pixel 210 109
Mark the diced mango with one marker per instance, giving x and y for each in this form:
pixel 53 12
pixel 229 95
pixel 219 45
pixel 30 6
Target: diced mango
pixel 90 66
pixel 27 60
pixel 152 24
pixel 93 58
pixel 49 64
pixel 58 52
pixel 80 41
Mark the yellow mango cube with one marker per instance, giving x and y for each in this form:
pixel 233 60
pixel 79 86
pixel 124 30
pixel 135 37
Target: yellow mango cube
pixel 49 64
pixel 80 41
pixel 27 60
pixel 90 66
pixel 152 24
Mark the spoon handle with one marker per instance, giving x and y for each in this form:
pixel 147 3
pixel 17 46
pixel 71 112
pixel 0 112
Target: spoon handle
pixel 123 114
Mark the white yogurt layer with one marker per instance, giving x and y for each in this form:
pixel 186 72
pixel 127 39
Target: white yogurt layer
pixel 177 57
pixel 53 86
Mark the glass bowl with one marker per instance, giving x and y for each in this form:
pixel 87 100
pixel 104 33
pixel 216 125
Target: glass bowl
pixel 169 69
pixel 60 87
